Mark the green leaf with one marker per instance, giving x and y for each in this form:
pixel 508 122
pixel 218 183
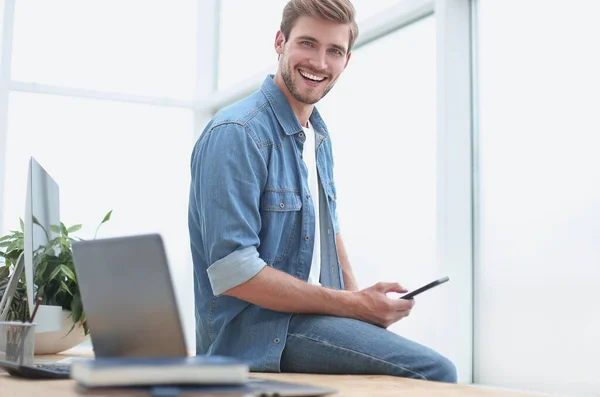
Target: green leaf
pixel 13 255
pixel 107 217
pixel 76 307
pixel 54 273
pixel 48 250
pixel 5 244
pixel 41 268
pixel 22 224
pixel 55 228
pixel 63 229
pixel 65 288
pixel 68 272
pixel 12 246
pixel 4 238
pixel 74 228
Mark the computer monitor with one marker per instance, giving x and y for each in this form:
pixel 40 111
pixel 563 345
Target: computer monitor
pixel 42 206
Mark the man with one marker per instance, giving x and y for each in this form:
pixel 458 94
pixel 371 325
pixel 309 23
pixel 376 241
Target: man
pixel 273 282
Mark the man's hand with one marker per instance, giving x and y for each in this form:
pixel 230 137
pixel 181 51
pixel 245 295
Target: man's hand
pixel 374 306
pixel 276 290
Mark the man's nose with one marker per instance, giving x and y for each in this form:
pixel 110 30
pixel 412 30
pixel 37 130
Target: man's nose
pixel 319 61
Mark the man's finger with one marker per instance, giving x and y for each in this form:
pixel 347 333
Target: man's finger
pixel 390 287
pixel 403 304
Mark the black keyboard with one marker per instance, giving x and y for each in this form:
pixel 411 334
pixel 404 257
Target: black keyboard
pixel 40 371
pixel 62 368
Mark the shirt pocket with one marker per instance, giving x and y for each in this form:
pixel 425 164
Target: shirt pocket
pixel 281 217
pixel 280 201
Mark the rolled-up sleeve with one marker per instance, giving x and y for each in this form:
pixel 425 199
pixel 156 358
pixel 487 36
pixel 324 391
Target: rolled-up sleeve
pixel 228 176
pixel 235 269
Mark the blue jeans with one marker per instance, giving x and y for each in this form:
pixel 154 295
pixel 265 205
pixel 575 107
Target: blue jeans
pixel 334 345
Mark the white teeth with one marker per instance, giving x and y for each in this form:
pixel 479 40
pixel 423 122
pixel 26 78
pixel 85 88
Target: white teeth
pixel 311 76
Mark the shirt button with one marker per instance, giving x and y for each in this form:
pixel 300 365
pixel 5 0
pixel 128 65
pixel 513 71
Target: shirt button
pixel 281 205
pixel 308 196
pixel 307 238
pixel 301 135
pixel 276 340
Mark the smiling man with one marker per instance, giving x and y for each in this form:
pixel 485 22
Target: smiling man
pixel 272 279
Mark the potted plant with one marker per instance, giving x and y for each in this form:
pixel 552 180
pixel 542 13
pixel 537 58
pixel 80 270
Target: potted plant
pixel 55 279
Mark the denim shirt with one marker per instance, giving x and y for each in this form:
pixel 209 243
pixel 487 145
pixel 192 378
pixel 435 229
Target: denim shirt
pixel 250 207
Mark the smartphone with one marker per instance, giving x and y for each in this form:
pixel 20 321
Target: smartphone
pixel 424 288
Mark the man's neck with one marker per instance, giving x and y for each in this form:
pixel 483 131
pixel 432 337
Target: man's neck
pixel 301 110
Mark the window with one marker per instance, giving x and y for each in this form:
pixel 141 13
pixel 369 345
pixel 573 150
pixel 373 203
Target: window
pixel 247 38
pixel 368 8
pixel 134 47
pixel 133 159
pixel 247 35
pixel 382 119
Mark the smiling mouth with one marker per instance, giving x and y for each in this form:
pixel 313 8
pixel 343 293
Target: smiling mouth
pixel 313 78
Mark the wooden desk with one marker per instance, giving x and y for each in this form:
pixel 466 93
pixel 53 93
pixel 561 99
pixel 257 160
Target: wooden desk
pixel 348 386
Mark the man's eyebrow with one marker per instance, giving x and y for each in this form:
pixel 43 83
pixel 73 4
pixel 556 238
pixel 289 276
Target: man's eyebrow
pixel 310 38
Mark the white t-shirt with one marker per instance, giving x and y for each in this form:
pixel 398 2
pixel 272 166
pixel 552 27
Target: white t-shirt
pixel 309 155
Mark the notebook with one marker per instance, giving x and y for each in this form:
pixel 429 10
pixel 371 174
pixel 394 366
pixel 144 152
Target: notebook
pixel 159 371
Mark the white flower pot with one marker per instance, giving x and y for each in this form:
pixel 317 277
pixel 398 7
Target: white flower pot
pixel 57 341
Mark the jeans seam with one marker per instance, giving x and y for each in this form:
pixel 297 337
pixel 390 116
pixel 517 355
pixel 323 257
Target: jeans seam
pixel 359 353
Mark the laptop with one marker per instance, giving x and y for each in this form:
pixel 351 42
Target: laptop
pixel 128 296
pixel 131 308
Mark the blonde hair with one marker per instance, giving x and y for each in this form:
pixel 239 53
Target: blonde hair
pixel 340 11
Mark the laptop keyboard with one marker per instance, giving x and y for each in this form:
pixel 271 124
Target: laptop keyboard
pixel 62 368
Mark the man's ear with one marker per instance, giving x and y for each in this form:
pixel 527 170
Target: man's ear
pixel 279 42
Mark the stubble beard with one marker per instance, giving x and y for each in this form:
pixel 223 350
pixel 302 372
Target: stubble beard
pixel 292 86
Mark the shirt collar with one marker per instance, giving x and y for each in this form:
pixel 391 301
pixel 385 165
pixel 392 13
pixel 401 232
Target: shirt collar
pixel 283 111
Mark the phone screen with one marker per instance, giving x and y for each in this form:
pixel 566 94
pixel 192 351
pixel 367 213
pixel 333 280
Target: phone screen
pixel 424 288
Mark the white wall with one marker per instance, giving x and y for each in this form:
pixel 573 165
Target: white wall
pixel 538 268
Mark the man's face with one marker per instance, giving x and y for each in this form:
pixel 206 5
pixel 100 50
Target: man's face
pixel 313 57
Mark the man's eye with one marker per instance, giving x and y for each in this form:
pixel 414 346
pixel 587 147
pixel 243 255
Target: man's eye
pixel 336 51
pixel 308 43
